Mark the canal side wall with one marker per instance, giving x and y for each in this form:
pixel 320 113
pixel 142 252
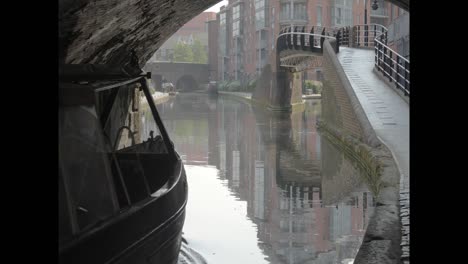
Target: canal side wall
pixel 345 123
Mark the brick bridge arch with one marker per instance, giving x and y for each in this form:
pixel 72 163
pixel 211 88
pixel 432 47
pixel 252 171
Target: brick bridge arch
pixel 107 31
pixel 185 76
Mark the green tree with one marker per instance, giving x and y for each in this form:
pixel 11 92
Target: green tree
pixel 183 53
pixel 199 52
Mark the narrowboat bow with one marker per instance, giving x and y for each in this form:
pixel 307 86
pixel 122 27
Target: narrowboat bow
pixel 122 185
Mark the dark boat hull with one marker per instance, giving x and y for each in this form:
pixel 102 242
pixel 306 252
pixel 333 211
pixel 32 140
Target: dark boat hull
pixel 149 232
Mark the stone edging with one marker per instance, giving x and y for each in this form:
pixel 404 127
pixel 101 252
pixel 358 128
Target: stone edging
pixel 381 243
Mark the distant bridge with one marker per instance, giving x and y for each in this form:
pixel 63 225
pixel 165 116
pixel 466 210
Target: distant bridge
pixel 184 75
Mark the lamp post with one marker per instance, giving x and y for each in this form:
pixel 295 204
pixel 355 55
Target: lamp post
pixel 366 33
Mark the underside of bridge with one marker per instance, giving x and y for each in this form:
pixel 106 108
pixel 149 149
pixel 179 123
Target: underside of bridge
pixel 108 31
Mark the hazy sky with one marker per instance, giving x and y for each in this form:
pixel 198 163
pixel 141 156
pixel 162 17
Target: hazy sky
pixel 216 7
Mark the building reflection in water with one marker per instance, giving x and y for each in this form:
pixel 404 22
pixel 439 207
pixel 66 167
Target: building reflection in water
pixel 306 198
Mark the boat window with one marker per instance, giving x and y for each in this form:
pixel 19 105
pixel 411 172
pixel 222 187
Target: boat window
pixel 84 166
pixel 107 161
pixel 126 124
pixel 137 143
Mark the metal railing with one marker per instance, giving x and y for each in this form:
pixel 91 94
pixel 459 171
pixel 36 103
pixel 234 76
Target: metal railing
pixel 392 65
pixel 364 35
pixel 296 45
pixel 301 38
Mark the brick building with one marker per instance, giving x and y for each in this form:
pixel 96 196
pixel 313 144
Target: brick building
pixel 248 29
pixel 197 28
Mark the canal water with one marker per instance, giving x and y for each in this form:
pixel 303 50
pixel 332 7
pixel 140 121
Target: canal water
pixel 263 187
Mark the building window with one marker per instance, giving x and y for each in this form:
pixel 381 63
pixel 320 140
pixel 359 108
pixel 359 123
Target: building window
pixel 342 13
pixel 259 4
pixel 236 12
pixel 300 11
pixel 222 33
pixel 222 19
pixel 338 16
pixel 260 19
pixel 319 16
pixel 236 24
pixel 284 11
pixel 236 28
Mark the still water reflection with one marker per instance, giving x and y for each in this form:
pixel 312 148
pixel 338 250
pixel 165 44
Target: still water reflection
pixel 264 188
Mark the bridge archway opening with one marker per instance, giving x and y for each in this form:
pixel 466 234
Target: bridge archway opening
pixel 187 83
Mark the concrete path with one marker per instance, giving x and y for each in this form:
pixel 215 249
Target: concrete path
pixel 387 112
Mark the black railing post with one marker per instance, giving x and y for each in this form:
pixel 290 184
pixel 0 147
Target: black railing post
pixel 322 39
pixel 406 77
pixel 296 38
pixel 385 61
pixel 379 56
pixel 384 36
pixel 358 35
pixel 376 51
pixel 390 67
pixel 311 39
pixel 375 32
pixel 303 47
pixel 366 35
pixel 397 77
pixel 337 47
pixel 349 36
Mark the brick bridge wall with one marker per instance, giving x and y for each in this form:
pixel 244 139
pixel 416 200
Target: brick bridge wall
pixel 174 71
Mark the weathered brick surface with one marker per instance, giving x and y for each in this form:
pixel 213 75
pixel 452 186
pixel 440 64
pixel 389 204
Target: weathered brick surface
pixel 337 108
pixel 106 31
pixel 340 107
